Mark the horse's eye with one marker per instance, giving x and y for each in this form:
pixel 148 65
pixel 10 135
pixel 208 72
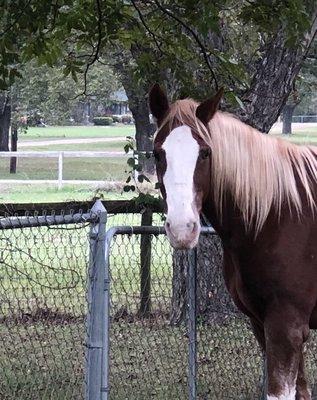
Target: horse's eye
pixel 204 153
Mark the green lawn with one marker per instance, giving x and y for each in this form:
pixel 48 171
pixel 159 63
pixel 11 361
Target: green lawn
pixel 304 136
pixel 41 193
pixel 70 132
pixel 104 169
pixel 103 146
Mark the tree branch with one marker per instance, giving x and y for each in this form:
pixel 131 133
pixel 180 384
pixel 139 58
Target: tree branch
pixel 16 20
pixel 147 27
pixel 95 53
pixel 194 35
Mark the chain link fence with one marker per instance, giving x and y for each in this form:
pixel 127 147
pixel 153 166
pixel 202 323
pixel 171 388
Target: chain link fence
pixel 43 306
pixel 44 275
pixel 149 352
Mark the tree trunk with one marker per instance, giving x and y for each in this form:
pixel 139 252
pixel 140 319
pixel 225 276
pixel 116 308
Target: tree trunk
pixel 14 147
pixel 137 99
pixel 273 80
pixel 143 128
pixel 5 120
pixel 287 114
pixel 213 300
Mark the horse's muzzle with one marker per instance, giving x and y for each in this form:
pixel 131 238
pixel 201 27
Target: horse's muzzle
pixel 183 236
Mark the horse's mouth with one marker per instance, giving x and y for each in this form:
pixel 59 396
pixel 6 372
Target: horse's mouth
pixel 183 244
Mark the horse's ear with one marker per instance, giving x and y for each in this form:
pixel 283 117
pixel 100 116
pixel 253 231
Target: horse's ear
pixel 158 103
pixel 207 109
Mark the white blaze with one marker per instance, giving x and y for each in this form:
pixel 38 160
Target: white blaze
pixel 181 156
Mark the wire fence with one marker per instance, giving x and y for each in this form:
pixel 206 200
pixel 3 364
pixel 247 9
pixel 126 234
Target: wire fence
pixel 44 275
pixel 43 307
pixel 149 353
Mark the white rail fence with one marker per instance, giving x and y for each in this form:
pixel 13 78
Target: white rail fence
pixel 304 118
pixel 60 156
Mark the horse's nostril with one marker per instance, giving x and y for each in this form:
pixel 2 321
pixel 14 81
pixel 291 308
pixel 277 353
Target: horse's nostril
pixel 191 225
pixel 168 225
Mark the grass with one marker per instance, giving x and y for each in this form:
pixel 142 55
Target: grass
pixel 40 194
pixel 103 146
pixel 103 169
pixel 148 361
pixel 71 132
pixel 305 136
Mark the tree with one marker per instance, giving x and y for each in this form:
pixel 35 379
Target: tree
pixel 196 50
pixel 288 111
pixel 46 92
pixel 303 92
pixel 257 79
pixel 137 96
pixel 5 120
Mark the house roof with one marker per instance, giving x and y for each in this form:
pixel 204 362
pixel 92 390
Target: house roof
pixel 119 96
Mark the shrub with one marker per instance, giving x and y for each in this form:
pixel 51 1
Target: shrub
pixel 116 118
pixel 102 121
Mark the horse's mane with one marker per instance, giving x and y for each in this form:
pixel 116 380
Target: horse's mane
pixel 259 171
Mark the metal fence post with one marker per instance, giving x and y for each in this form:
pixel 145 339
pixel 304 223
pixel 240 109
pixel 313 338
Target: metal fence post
pixel 145 266
pixel 98 311
pixel 192 329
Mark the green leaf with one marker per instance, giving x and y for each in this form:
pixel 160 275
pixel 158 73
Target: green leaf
pixel 146 178
pixel 131 162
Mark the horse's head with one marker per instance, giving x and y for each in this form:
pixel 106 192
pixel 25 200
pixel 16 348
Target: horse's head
pixel 183 162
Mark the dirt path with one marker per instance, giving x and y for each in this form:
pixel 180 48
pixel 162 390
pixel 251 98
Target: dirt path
pixel 30 143
pixel 276 128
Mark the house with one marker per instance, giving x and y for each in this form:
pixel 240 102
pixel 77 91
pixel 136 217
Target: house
pixel 118 104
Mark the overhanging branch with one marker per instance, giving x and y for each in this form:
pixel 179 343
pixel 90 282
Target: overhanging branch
pixel 195 37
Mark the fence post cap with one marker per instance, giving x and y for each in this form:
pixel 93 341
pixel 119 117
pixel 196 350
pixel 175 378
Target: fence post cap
pixel 98 207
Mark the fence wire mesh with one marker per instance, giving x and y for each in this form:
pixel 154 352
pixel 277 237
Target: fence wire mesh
pixel 43 308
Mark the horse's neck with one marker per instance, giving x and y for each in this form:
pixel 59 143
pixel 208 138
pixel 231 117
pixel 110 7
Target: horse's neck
pixel 230 225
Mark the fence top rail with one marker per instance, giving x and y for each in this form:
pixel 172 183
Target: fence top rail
pixel 68 153
pixel 112 207
pixel 151 230
pixel 47 220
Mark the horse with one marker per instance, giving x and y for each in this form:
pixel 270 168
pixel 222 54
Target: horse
pixel 259 193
